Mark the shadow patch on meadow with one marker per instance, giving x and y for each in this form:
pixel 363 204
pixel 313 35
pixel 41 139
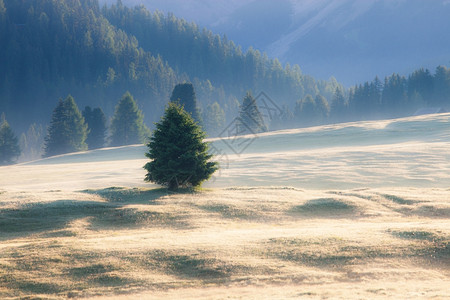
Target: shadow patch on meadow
pixel 324 207
pixel 33 287
pixel 39 217
pixel 328 253
pixel 100 274
pixel 53 217
pixel 229 211
pixel 432 211
pixel 398 200
pixel 129 195
pixel 122 218
pixel 433 248
pixel 192 266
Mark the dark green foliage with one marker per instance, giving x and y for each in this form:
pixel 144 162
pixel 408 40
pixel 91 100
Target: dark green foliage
pixel 250 118
pixel 338 107
pixel 394 96
pixel 67 132
pixel 441 89
pixel 9 147
pixel 421 83
pixel 214 119
pixel 51 47
pixel 127 126
pixel 202 54
pixel 184 94
pixel 179 156
pixel 96 122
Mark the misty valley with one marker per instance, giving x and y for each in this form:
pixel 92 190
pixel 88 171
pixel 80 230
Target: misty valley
pixel 179 150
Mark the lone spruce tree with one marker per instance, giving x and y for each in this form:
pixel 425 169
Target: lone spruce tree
pixel 179 156
pixel 127 126
pixel 67 132
pixel 250 118
pixel 9 147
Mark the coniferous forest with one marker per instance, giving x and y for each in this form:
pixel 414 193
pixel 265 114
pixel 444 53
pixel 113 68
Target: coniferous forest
pixel 51 49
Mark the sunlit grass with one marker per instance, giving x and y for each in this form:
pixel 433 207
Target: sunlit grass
pixel 125 241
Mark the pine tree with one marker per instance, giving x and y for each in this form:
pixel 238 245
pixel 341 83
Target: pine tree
pixel 184 94
pixel 96 122
pixel 127 126
pixel 9 147
pixel 67 132
pixel 250 118
pixel 179 157
pixel 338 107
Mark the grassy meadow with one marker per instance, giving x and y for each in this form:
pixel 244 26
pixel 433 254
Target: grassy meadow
pixel 87 226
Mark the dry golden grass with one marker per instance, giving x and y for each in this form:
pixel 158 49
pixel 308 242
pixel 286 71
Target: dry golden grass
pixel 255 243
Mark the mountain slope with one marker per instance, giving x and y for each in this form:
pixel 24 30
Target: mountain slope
pixel 352 40
pixel 55 48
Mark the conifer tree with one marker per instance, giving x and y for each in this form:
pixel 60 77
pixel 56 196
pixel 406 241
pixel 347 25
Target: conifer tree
pixel 179 156
pixel 184 94
pixel 250 118
pixel 338 107
pixel 127 126
pixel 9 146
pixel 96 122
pixel 67 132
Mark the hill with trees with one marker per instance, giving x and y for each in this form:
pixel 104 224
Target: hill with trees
pixel 351 40
pixel 53 48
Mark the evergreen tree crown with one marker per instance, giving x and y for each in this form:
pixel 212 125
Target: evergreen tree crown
pixel 68 131
pixel 184 94
pixel 179 156
pixel 127 126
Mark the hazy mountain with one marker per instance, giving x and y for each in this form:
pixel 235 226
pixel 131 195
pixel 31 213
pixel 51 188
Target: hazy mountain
pixel 55 48
pixel 353 40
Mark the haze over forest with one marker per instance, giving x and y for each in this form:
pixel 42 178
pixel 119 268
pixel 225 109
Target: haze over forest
pixel 97 51
pixel 351 40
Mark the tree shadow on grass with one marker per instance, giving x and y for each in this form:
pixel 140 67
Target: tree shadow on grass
pixel 38 217
pixel 324 208
pixel 48 217
pixel 130 196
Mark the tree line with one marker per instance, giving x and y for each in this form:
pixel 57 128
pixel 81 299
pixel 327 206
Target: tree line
pixel 71 130
pixel 396 96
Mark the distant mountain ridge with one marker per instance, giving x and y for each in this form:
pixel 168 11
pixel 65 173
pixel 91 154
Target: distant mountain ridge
pixel 353 40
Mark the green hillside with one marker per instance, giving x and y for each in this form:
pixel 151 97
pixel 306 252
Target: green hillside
pixel 53 48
